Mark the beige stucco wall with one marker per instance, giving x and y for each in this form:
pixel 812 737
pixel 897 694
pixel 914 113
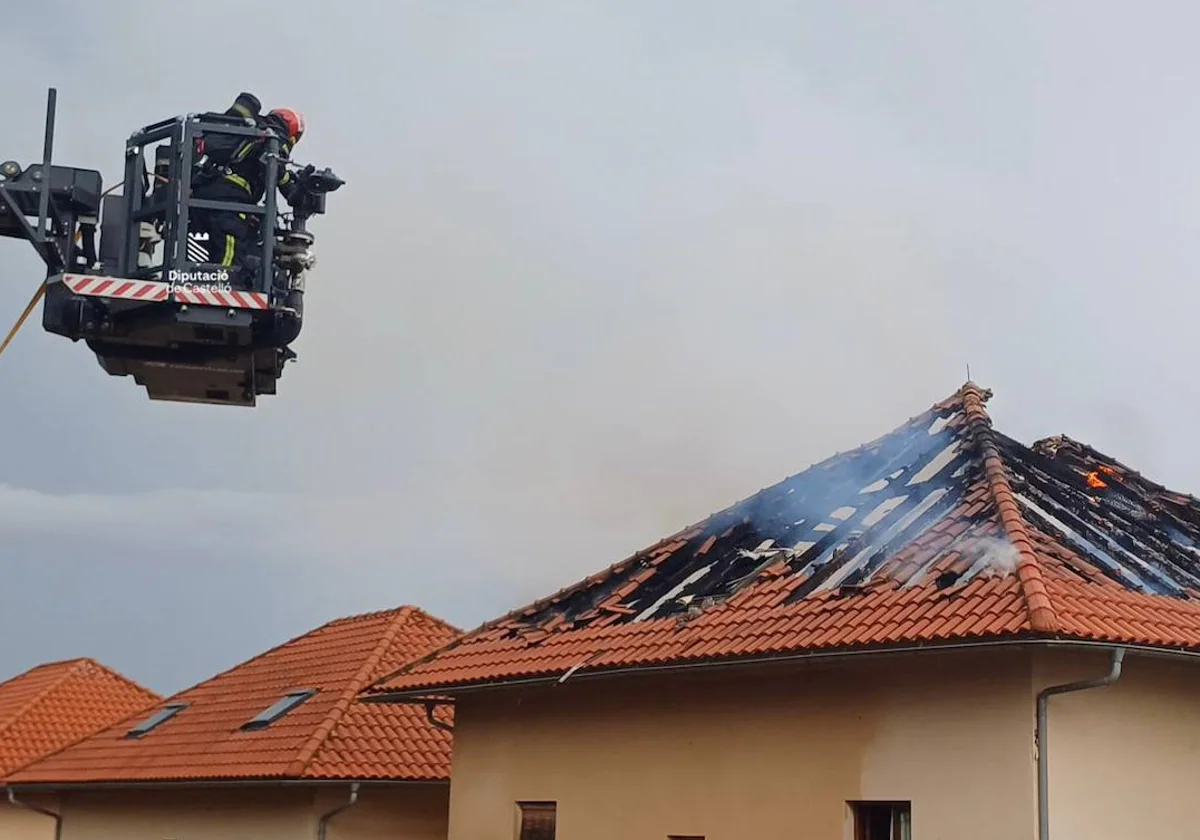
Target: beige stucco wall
pixel 773 756
pixel 22 824
pixel 417 812
pixel 1124 760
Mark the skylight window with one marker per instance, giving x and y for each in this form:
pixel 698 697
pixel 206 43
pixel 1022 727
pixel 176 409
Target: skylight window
pixel 279 709
pixel 161 716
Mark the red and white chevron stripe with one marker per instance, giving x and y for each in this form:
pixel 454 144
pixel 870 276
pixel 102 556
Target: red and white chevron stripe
pixel 116 287
pixel 225 298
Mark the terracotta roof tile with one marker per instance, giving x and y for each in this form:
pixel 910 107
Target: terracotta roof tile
pixel 944 529
pixel 56 704
pixel 332 735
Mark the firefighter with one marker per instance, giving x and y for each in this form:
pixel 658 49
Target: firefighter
pixel 233 168
pixel 246 107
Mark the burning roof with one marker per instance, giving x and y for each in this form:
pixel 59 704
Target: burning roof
pixel 943 529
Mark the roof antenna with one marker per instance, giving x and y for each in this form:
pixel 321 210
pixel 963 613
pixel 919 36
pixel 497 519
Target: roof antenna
pixel 968 371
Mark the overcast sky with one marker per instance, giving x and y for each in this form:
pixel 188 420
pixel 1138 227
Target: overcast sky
pixel 599 269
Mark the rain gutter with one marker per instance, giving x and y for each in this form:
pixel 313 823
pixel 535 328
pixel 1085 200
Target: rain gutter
pixel 201 784
pixel 419 695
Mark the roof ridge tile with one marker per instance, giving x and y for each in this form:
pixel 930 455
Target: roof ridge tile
pixel 1042 617
pixel 40 695
pixel 300 637
pixel 350 692
pixel 112 672
pixel 70 660
pixel 79 668
pixel 365 616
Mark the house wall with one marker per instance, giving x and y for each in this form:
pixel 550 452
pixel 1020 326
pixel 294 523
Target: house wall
pixel 773 755
pixel 1123 760
pixel 22 824
pixel 254 813
pixel 217 814
pixel 417 812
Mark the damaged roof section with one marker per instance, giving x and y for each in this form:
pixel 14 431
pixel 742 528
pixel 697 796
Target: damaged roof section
pixel 1135 532
pixel 836 524
pixel 942 529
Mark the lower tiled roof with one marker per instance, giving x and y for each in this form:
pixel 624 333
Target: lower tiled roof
pixel 53 705
pixel 942 530
pixel 329 736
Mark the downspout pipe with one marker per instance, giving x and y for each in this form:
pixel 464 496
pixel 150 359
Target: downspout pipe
pixel 1043 748
pixel 323 824
pixel 12 798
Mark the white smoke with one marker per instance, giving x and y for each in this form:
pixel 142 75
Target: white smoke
pixel 992 557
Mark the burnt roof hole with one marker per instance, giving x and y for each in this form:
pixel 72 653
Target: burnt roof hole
pixel 947 579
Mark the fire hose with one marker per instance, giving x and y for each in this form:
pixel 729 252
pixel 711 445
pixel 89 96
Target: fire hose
pixel 24 316
pixel 16 328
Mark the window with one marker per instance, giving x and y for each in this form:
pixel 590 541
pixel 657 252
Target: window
pixel 268 716
pixel 161 716
pixel 538 820
pixel 882 820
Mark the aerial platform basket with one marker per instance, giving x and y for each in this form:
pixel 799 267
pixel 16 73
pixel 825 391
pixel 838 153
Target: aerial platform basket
pixel 146 301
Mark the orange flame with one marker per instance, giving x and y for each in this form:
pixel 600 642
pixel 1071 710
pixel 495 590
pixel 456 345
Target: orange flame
pixel 1094 479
